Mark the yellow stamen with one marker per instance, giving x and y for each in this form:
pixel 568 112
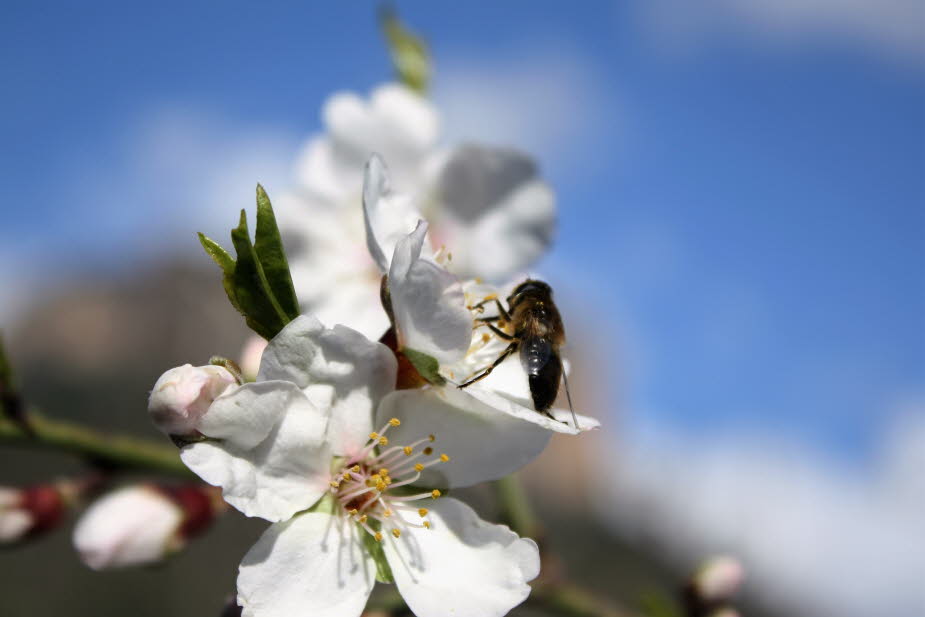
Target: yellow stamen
pixel 352 511
pixel 395 422
pixel 444 458
pixel 407 450
pixel 346 475
pixel 432 437
pixel 378 537
pixel 383 472
pixel 374 435
pixel 419 467
pixel 423 512
pixel 355 469
pixel 396 533
pixel 428 451
pixel 387 513
pixel 426 524
pixel 486 337
pixel 383 441
pixel 363 519
pixel 435 493
pixel 335 484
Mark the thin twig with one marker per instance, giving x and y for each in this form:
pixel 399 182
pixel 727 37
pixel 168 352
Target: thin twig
pixel 103 449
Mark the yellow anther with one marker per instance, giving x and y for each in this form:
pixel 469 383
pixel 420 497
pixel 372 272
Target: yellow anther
pixel 432 437
pixel 387 512
pixel 335 484
pixel 419 467
pixel 490 297
pixel 383 472
pixel 374 435
pixel 380 485
pixel 423 512
pixel 444 458
pixel 346 475
pixel 355 469
pixel 428 451
pixel 378 537
pixel 486 337
pixel 407 450
pixel 394 421
pixel 396 533
pixel 435 493
pixel 383 441
pixel 352 511
pixel 370 482
pixel 388 480
pixel 363 518
pixel 426 524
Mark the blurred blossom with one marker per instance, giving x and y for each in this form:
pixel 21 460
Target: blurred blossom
pixel 142 524
pixel 718 578
pixel 488 204
pixel 182 395
pixel 29 511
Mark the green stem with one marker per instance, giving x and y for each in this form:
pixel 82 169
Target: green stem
pixel 117 451
pixel 569 600
pixel 515 506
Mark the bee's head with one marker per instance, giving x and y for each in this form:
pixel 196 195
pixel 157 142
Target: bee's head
pixel 530 287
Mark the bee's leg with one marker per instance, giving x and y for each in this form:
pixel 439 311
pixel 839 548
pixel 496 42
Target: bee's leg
pixel 503 313
pixel 510 349
pixel 501 333
pixel 487 319
pixel 568 395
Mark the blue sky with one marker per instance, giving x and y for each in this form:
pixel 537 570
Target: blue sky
pixel 746 197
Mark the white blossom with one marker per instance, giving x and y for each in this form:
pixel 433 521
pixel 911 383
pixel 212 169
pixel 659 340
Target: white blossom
pixel 434 314
pixel 15 519
pixel 297 448
pixel 488 203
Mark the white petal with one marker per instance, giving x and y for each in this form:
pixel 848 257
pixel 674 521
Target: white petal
pixel 483 443
pixel 267 452
pixel 14 524
pixel 497 214
pixel 428 303
pixel 461 566
pixel 388 216
pixel 310 566
pixel 337 368
pixel 132 526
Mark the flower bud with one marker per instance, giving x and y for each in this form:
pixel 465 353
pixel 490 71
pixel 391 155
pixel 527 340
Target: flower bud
pixel 29 511
pixel 142 524
pixel 717 579
pixel 183 394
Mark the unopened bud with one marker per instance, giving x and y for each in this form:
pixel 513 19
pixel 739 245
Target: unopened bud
pixel 718 579
pixel 725 612
pixel 182 395
pixel 251 356
pixel 142 524
pixel 29 511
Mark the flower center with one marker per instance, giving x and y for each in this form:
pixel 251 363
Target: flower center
pixel 365 487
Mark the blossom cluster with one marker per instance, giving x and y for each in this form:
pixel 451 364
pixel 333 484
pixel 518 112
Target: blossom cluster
pixel 355 426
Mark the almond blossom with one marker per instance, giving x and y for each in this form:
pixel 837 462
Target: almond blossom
pixel 299 448
pixel 434 315
pixel 488 203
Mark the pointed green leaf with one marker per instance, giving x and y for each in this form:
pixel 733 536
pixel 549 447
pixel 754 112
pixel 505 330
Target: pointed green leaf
pixel 409 52
pixel 426 365
pixel 269 248
pixel 221 257
pixel 383 570
pixel 255 298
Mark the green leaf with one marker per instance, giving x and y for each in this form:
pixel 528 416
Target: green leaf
pixel 260 308
pixel 221 257
pixel 426 365
pixel 269 248
pixel 383 570
pixel 409 52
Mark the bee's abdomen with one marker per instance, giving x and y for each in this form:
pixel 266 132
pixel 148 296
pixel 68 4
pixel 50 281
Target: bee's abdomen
pixel 544 385
pixel 534 354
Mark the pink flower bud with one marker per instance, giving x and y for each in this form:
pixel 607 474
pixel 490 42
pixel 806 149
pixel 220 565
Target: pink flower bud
pixel 718 579
pixel 182 395
pixel 29 511
pixel 142 524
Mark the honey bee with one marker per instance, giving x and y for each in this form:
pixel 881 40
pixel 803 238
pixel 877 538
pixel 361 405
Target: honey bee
pixel 537 335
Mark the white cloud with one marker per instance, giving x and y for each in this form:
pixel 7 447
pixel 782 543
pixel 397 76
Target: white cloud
pixel 816 537
pixel 889 28
pixel 545 100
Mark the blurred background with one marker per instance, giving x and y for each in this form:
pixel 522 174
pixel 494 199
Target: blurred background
pixel 739 261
